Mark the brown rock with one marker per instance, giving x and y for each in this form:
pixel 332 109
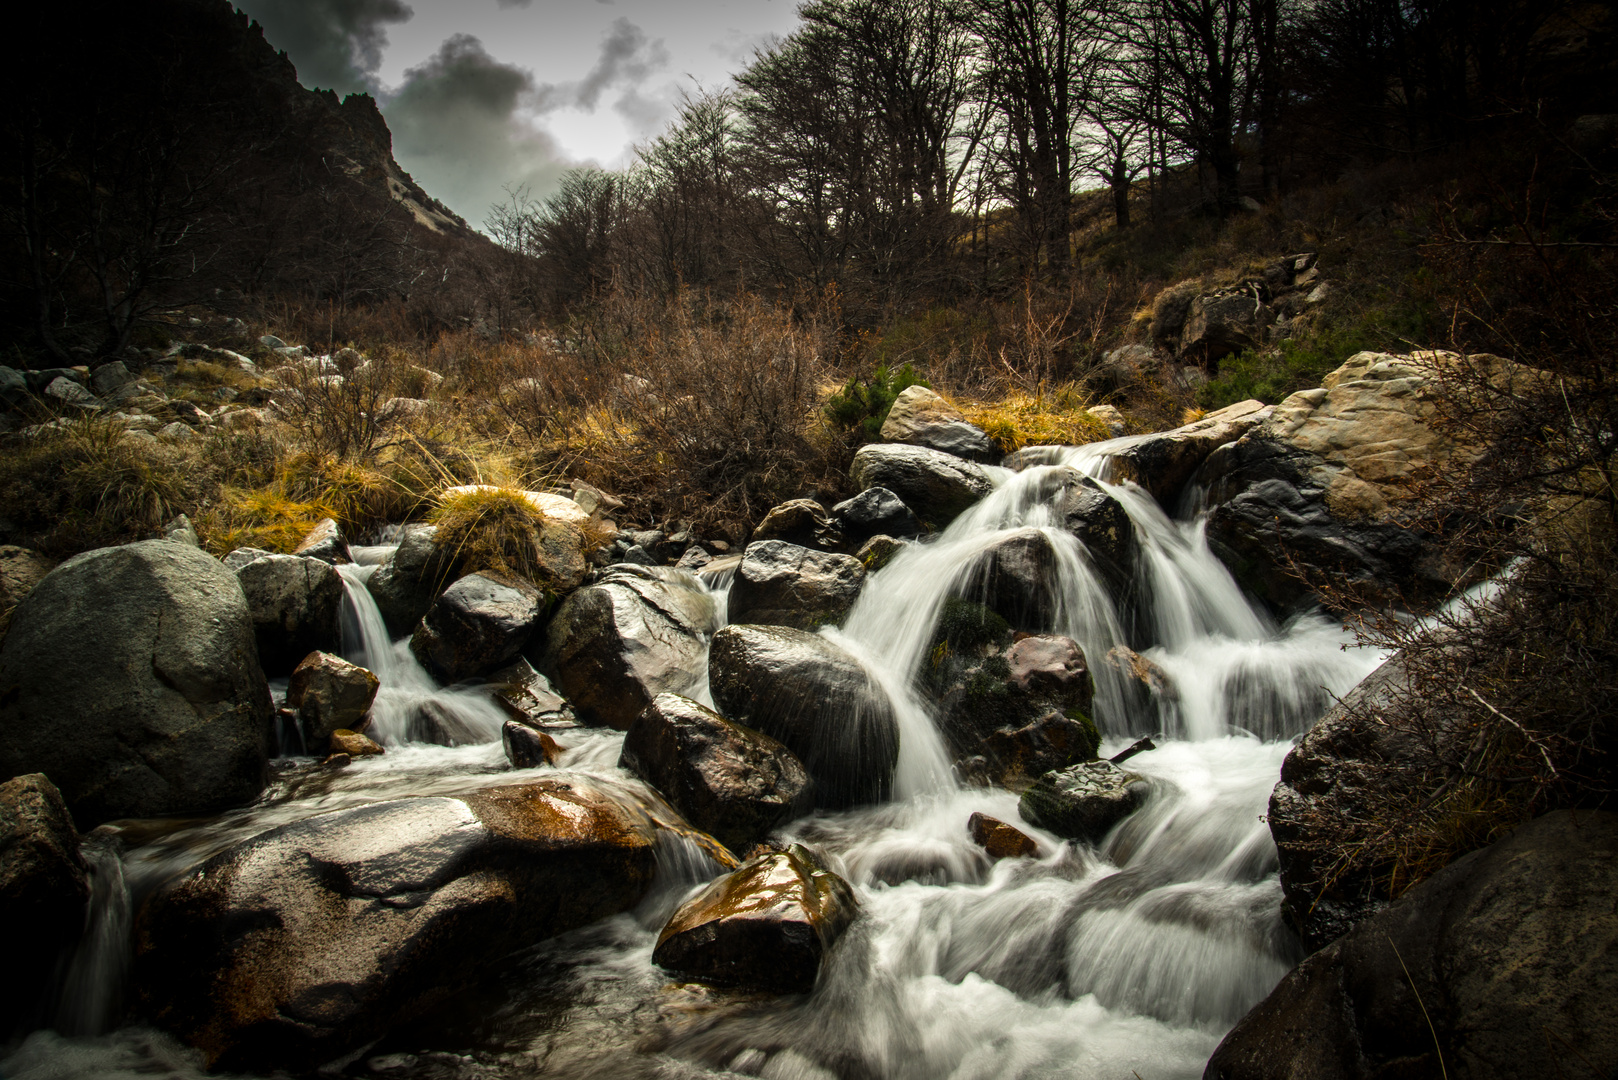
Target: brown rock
pixel 800 521
pixel 43 890
pixel 1000 840
pixel 526 747
pixel 326 543
pixel 353 744
pixel 20 570
pixel 330 693
pixel 1052 665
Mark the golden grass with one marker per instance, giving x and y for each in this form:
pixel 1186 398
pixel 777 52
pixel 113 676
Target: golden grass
pixel 1042 418
pixel 491 529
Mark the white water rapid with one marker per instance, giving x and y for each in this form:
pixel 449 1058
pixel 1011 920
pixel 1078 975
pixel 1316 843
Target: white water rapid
pixel 1127 960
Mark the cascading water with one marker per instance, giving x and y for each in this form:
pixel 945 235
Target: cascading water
pixel 1130 959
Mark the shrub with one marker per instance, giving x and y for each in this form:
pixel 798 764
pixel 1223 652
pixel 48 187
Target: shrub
pixel 862 405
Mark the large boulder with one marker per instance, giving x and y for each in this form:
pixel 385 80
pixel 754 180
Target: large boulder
pixel 799 521
pixel 1501 966
pixel 813 696
pixel 1162 463
pixel 936 486
pixel 637 632
pixel 766 925
pixel 306 942
pixel 130 677
pixel 732 782
pixel 782 584
pixel 1015 577
pixel 409 580
pixel 476 625
pixel 43 890
pixel 876 511
pixel 330 693
pixel 325 542
pixel 297 604
pixel 922 418
pixel 1218 324
pixel 1083 801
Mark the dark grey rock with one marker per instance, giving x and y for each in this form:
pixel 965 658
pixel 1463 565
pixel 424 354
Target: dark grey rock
pixel 732 782
pixel 108 379
pixel 406 585
pixel 43 891
pixel 936 486
pixel 782 584
pixel 1219 324
pixel 527 748
pixel 1015 577
pixel 13 387
pixel 876 511
pixel 477 625
pixel 1083 801
pixel 296 604
pixel 130 677
pixel 1102 525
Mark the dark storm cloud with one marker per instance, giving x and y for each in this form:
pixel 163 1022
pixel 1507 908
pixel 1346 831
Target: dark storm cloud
pixel 336 44
pixel 626 57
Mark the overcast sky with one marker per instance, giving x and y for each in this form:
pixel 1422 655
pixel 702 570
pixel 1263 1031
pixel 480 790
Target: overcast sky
pixel 482 94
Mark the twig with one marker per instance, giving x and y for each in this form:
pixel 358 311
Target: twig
pixel 1437 1048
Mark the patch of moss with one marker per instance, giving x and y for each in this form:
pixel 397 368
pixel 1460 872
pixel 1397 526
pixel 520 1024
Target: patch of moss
pixel 1092 734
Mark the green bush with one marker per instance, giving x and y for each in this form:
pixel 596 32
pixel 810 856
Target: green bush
pixel 864 403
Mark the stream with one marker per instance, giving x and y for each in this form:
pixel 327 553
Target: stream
pixel 1128 960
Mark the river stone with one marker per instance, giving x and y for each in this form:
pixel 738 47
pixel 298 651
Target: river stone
pixel 922 418
pixel 296 604
pixel 766 925
pixel 406 584
pixel 1015 577
pixel 43 891
pixel 876 511
pixel 781 584
pixel 20 570
pixel 477 624
pixel 936 486
pixel 330 693
pixel 354 744
pixel 615 645
pixel 732 782
pixel 527 748
pixel 326 543
pixel 1100 522
pixel 999 840
pixel 1501 966
pixel 799 521
pixel 308 941
pixel 878 551
pixel 528 698
pixel 1162 463
pixel 814 697
pixel 1084 801
pixel 1051 665
pixel 130 677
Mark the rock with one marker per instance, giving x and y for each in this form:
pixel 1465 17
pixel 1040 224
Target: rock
pixel 1133 366
pixel 1141 672
pixel 693 559
pixel 549 504
pixel 1162 463
pixel 527 748
pixel 1319 484
pixel 615 645
pixel 181 532
pixel 922 418
pixel 477 625
pixel 732 782
pixel 70 392
pixel 560 544
pixel 354 744
pixel 877 552
pixel 528 698
pixel 782 584
pixel 876 511
pixel 1000 840
pixel 401 410
pixel 1110 416
pixel 240 557
pixel 800 521
pixel 1099 522
pixel 1015 577
pixel 406 585
pixel 1170 309
pixel 13 387
pixel 296 604
pixel 1084 801
pixel 43 892
pixel 270 341
pixel 815 698
pixel 766 925
pixel 326 543
pixel 1051 665
pixel 20 570
pixel 330 693
pixel 308 941
pixel 130 677
pixel 177 432
pixel 1504 964
pixel 1222 323
pixel 108 379
pixel 593 501
pixel 39 380
pixel 936 486
pixel 1013 757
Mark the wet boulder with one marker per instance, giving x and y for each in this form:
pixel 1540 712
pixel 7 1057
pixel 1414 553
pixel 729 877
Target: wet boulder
pixel 130 677
pixel 1504 964
pixel 922 418
pixel 637 632
pixel 878 551
pixel 296 603
pixel 800 521
pixel 526 747
pixel 406 584
pixel 781 584
pixel 936 486
pixel 43 891
pixel 1162 463
pixel 766 925
pixel 330 693
pixel 354 744
pixel 1016 578
pixel 528 697
pixel 876 511
pixel 814 697
pixel 306 942
pixel 732 782
pixel 1099 522
pixel 326 543
pixel 1084 801
pixel 999 840
pixel 476 625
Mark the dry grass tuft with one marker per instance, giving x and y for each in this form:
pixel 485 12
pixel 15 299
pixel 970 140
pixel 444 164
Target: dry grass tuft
pixel 1022 419
pixel 492 529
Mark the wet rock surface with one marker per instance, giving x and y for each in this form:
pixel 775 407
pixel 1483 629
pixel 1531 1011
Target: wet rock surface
pixel 528 697
pixel 145 654
pixel 43 890
pixel 296 603
pixel 766 925
pixel 405 586
pixel 936 486
pixel 811 695
pixel 330 693
pixel 730 781
pixel 1084 801
pixel 1502 965
pixel 999 840
pixel 305 942
pixel 1102 525
pixel 527 747
pixel 615 645
pixel 781 584
pixel 1015 577
pixel 876 511
pixel 477 625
